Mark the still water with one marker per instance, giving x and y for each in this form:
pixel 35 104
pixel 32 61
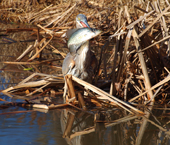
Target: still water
pixel 35 128
pixel 43 127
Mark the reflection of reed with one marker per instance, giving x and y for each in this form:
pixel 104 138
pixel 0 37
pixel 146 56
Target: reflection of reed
pixel 73 121
pixel 76 128
pixel 70 120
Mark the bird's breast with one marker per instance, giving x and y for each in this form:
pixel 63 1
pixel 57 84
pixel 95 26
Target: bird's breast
pixel 83 59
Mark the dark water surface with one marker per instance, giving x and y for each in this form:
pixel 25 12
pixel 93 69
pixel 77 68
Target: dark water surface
pixel 37 128
pixel 43 127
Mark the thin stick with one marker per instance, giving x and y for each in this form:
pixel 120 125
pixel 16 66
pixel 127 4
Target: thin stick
pixel 38 89
pixel 32 63
pixel 34 56
pixel 24 53
pixel 124 54
pixel 81 100
pixel 138 20
pixel 141 58
pixel 163 39
pixel 70 86
pixel 106 95
pixel 112 86
pixel 153 87
pixel 159 16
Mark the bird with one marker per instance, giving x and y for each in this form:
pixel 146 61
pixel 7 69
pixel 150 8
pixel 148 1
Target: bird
pixel 81 21
pixel 80 61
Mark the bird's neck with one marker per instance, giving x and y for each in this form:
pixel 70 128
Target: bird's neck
pixel 84 48
pixel 83 56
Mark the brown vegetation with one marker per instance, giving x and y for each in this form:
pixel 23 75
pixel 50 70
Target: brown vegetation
pixel 133 53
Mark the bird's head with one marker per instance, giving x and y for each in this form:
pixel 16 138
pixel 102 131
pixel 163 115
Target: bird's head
pixel 81 22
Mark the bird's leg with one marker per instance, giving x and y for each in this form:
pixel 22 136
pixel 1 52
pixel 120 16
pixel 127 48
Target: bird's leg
pixel 71 66
pixel 65 90
pixel 85 92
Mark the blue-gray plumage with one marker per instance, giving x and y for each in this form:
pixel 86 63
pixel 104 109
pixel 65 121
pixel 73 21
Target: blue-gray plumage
pixel 80 61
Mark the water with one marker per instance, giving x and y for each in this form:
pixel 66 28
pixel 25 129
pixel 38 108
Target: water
pixel 35 128
pixel 43 127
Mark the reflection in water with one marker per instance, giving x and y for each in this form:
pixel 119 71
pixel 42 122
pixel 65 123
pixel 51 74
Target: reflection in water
pixel 73 121
pixel 31 128
pixel 83 131
pixel 122 130
pixel 68 126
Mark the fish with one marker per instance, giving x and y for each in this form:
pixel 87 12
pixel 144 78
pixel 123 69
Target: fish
pixel 79 37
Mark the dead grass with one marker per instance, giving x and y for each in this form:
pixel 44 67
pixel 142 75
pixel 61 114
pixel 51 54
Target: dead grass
pixel 133 52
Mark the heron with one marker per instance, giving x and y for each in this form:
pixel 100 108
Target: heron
pixel 80 61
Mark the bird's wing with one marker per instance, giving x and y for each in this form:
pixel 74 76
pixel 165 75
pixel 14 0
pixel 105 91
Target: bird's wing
pixel 74 48
pixel 68 64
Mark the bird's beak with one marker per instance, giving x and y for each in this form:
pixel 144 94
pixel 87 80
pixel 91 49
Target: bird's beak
pixel 85 24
